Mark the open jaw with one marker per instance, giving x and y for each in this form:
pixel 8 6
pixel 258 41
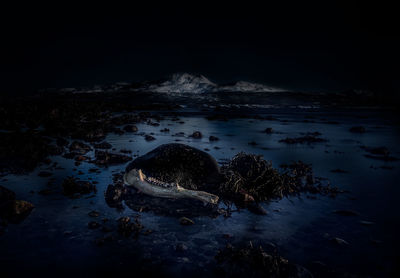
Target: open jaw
pixel 157 188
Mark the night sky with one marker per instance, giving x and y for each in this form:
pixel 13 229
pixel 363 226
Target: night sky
pixel 315 46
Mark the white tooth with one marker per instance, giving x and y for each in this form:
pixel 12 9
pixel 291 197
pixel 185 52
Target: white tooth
pixel 141 175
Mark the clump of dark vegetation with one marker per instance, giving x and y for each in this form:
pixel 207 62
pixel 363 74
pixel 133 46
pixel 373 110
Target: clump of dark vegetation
pixel 253 261
pixel 249 176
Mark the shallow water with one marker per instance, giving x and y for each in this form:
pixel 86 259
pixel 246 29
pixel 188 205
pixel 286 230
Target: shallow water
pixel 55 235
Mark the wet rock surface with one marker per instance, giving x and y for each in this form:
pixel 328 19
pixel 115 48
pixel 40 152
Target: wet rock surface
pixel 188 166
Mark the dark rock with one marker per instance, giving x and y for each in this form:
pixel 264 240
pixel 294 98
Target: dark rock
pixel 340 171
pixel 126 227
pixel 81 158
pixel 12 210
pixel 181 247
pixel 114 195
pixel 339 241
pixel 302 140
pixel 79 148
pixel 94 213
pixel 16 211
pixel 72 186
pixel 383 158
pixel 196 135
pixel 357 129
pixel 268 130
pixel 130 128
pixel 186 221
pixel 46 192
pixel 93 225
pixel 377 151
pixel 213 138
pixel 190 167
pixel 149 138
pixel 105 158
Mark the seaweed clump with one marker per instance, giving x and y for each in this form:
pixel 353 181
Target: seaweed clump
pixel 249 177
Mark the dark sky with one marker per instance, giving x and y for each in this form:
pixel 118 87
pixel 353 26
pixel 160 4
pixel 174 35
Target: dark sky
pixel 314 46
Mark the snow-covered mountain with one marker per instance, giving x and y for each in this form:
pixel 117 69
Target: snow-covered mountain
pixel 183 83
pixel 243 86
pixel 198 84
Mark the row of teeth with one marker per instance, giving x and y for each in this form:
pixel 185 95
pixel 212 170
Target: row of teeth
pixel 158 183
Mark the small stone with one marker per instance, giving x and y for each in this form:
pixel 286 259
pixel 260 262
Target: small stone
pixel 366 223
pixel 130 128
pixel 339 241
pixel 181 247
pixel 186 221
pixel 213 138
pixel 197 135
pixel 93 225
pixel 94 213
pixel 268 130
pixel 149 138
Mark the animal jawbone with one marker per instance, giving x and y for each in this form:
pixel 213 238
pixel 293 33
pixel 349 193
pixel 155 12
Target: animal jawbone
pixel 157 188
